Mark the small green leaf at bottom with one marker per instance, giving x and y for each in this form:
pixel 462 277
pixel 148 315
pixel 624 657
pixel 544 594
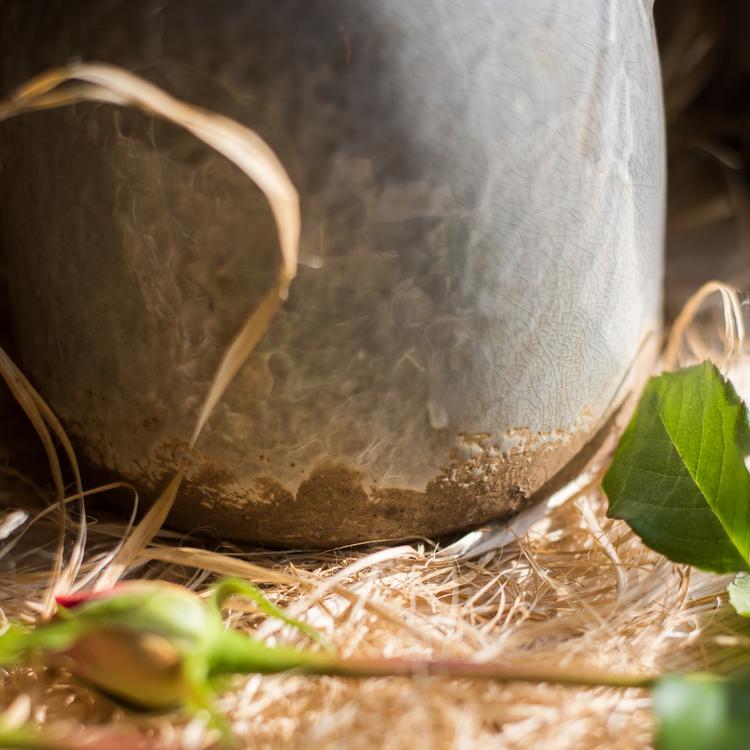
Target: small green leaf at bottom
pixel 702 712
pixel 739 594
pixel 678 476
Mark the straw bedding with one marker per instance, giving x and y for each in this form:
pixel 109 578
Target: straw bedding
pixel 576 588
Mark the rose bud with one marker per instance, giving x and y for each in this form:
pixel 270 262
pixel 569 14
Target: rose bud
pixel 152 644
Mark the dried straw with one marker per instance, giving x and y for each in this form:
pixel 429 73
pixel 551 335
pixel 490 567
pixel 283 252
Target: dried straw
pixel 576 589
pixel 733 335
pixel 253 156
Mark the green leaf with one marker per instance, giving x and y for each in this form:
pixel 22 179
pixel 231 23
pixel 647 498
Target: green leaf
pixel 678 476
pixel 702 712
pixel 739 594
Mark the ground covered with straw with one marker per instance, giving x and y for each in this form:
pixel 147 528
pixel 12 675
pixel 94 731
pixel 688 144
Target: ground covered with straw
pixel 577 589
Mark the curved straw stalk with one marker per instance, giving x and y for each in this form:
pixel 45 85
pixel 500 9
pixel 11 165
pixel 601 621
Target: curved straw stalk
pixel 107 83
pixel 734 327
pixel 46 424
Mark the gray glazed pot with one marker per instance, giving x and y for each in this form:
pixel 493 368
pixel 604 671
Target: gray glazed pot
pixel 482 192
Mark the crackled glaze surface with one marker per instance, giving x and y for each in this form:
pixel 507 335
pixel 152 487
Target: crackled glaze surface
pixel 482 195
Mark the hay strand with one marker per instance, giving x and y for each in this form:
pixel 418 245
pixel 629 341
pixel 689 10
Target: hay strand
pixel 243 147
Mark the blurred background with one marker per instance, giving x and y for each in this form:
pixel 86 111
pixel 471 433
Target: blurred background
pixel 706 76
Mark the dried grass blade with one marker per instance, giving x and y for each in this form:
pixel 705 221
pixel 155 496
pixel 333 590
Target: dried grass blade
pixel 734 326
pixel 141 535
pixel 24 395
pixel 255 158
